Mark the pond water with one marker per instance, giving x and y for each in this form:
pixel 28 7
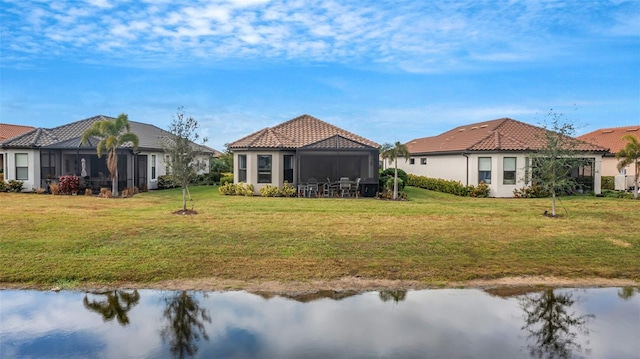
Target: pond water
pixel 444 323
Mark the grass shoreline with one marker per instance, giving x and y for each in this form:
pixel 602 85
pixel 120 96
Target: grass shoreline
pixel 432 240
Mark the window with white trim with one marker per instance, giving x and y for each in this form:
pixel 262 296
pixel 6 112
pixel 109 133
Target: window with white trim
pixel 242 168
pixel 22 166
pixel 423 161
pixel 509 170
pixel 412 161
pixel 264 168
pixel 484 170
pixel 153 167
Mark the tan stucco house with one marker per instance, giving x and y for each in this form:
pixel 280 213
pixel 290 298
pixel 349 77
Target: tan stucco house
pixel 43 154
pixel 495 152
pixel 303 149
pixel 612 139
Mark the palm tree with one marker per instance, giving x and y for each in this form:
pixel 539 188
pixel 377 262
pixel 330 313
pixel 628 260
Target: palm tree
pixel 628 155
pixel 392 152
pixel 112 135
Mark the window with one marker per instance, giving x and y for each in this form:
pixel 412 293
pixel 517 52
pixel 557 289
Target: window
pixel 509 170
pixel 412 161
pixel 423 161
pixel 484 170
pixel 153 166
pixel 264 168
pixel 288 168
pixel 22 166
pixel 242 168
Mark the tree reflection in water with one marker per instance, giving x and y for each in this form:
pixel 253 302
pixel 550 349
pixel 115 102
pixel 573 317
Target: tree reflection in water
pixel 627 293
pixel 116 305
pixel 395 295
pixel 551 327
pixel 185 324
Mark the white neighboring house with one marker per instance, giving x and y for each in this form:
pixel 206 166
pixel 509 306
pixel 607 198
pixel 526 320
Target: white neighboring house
pixel 612 138
pixel 495 152
pixel 42 155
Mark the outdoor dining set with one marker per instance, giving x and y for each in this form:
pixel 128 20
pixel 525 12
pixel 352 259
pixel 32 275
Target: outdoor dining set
pixel 341 188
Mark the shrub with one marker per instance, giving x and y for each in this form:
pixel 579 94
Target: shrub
pixel 207 179
pixel 449 186
pixel 226 179
pixel 15 186
pixel 3 186
pixel 608 182
pixel 54 188
pixel 389 173
pixel 166 182
pixel 288 190
pixel 227 189
pixel 269 191
pixel 243 189
pixel 69 184
pixel 531 192
pixel 482 190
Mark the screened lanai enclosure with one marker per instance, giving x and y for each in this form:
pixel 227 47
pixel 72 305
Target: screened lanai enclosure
pixel 336 158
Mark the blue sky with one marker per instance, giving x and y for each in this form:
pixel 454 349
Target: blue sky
pixel 386 70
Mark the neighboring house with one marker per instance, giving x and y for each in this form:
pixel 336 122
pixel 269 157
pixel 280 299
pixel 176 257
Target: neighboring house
pixel 42 155
pixel 8 131
pixel 495 152
pixel 612 138
pixel 303 149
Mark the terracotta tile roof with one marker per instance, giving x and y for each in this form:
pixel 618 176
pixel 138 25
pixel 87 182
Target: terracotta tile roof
pixel 8 131
pixel 503 134
pixel 611 137
pixel 295 133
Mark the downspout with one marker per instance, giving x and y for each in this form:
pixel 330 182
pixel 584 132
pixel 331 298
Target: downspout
pixel 466 155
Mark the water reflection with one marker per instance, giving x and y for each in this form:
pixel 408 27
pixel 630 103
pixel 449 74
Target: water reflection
pixel 627 293
pixel 553 326
pixel 560 323
pixel 395 295
pixel 185 324
pixel 116 304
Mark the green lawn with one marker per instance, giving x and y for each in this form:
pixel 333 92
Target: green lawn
pixel 433 238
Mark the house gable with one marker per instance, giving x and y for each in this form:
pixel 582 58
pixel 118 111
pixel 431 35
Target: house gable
pixel 296 133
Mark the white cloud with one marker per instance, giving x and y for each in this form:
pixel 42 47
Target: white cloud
pixel 420 37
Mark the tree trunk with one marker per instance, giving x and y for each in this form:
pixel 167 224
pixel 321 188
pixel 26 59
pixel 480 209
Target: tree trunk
pixel 553 203
pixel 635 193
pixel 114 184
pixel 395 180
pixel 184 198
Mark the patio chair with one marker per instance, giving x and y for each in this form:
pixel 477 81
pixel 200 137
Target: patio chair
pixel 312 187
pixel 312 190
pixel 345 187
pixel 355 188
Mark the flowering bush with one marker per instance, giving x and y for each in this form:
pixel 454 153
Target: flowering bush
pixel 69 184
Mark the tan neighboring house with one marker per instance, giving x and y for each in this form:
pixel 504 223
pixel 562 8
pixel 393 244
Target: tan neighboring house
pixel 8 131
pixel 303 149
pixel 41 155
pixel 495 152
pixel 612 139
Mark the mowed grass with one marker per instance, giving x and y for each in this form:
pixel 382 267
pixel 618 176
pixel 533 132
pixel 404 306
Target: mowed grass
pixel 433 238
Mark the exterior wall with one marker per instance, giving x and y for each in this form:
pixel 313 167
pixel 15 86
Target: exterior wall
pixel 277 173
pixel 610 167
pixel 161 167
pixel 454 167
pixel 33 162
